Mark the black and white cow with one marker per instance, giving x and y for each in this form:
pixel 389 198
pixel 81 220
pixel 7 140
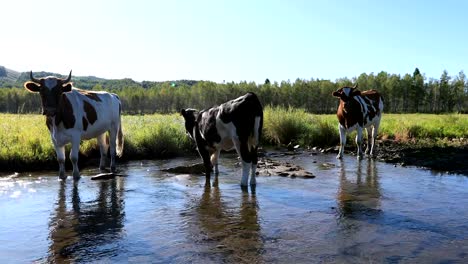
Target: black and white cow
pixel 234 124
pixel 73 114
pixel 358 110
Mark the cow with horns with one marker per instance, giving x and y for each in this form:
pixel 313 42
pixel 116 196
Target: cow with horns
pixel 73 114
pixel 358 110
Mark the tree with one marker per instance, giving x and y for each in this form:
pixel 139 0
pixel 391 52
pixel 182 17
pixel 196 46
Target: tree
pixel 460 91
pixel 417 93
pixel 445 102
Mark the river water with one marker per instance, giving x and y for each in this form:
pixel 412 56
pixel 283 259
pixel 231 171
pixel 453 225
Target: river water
pixel 352 212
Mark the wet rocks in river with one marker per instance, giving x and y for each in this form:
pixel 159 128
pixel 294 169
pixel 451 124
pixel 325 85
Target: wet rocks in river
pixel 269 167
pixel 197 168
pixel 266 167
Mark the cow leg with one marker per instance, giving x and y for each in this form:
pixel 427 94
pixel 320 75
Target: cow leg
pixel 253 171
pixel 214 160
pixel 205 155
pixel 246 162
pixel 359 142
pixel 103 147
pixel 112 145
pixel 369 140
pixel 374 136
pixel 342 141
pixel 75 148
pixel 245 176
pixel 61 161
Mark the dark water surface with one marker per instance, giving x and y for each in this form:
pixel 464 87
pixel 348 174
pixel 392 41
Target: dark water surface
pixel 352 212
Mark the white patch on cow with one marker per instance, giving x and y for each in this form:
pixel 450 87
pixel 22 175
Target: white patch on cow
pixel 347 91
pixel 363 104
pixel 225 130
pixel 50 83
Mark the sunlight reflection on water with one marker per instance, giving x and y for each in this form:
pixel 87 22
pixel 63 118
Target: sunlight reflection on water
pixel 351 212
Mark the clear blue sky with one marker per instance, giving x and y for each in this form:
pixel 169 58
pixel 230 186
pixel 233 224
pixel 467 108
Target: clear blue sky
pixel 234 40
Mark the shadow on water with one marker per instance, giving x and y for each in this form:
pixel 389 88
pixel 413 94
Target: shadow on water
pixel 225 229
pixel 81 229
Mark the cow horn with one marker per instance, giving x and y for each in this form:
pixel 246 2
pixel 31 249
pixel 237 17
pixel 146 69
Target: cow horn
pixel 32 78
pixel 68 79
pixel 355 86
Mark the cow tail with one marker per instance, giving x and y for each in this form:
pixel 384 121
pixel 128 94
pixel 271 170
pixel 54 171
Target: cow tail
pixel 120 142
pixel 120 136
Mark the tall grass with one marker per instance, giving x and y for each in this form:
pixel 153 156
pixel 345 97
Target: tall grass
pixel 291 125
pixel 403 127
pixel 25 140
pixel 155 136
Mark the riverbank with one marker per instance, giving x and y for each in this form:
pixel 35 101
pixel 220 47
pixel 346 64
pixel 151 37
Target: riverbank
pixel 437 142
pixel 449 156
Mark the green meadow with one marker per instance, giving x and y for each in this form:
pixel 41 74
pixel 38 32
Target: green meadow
pixel 25 141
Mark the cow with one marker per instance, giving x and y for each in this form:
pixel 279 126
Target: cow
pixel 73 114
pixel 358 110
pixel 236 124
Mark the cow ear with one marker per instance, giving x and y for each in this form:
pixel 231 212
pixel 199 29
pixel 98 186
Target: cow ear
pixel 67 87
pixel 182 112
pixel 32 87
pixel 337 93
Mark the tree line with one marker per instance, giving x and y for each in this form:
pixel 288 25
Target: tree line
pixel 409 93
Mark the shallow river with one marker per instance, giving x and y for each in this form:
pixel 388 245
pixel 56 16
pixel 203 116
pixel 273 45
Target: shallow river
pixel 352 212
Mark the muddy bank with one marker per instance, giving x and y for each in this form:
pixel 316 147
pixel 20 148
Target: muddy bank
pixel 451 159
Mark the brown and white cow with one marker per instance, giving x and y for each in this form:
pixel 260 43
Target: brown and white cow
pixel 73 114
pixel 358 110
pixel 234 124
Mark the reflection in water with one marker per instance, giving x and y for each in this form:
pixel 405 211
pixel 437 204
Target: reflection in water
pixel 76 232
pixel 361 194
pixel 367 212
pixel 232 234
pixel 358 202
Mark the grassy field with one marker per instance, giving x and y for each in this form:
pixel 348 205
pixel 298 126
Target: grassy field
pixel 25 142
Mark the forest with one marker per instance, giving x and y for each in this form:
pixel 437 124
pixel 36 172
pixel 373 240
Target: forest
pixel 410 93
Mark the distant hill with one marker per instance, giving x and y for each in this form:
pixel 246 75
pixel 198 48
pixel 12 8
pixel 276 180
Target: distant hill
pixel 10 78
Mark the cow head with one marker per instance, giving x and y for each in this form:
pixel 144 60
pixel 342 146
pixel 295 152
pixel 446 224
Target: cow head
pixel 190 116
pixel 51 89
pixel 346 95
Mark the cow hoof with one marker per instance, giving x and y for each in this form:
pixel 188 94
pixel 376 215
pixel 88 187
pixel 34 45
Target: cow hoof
pixel 339 157
pixel 76 176
pixel 63 177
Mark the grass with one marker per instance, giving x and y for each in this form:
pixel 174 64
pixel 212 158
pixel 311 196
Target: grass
pixel 289 125
pixel 25 141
